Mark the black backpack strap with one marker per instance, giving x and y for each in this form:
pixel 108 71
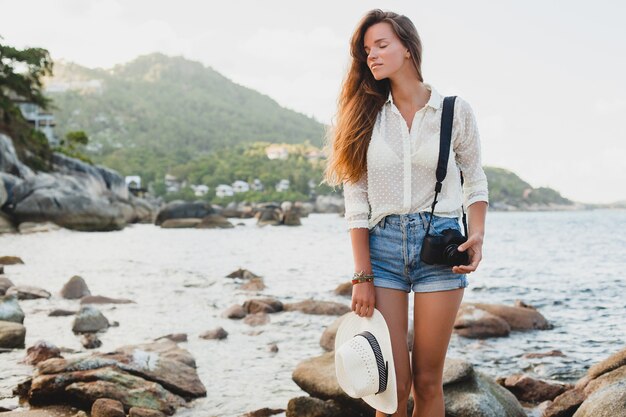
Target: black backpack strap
pixel 445 140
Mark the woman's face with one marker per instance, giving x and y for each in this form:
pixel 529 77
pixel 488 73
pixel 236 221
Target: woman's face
pixel 385 52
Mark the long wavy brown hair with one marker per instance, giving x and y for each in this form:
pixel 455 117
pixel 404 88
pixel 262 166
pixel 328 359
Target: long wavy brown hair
pixel 360 100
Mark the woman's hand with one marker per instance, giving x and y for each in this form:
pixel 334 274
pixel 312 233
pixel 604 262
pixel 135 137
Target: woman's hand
pixel 363 298
pixel 474 247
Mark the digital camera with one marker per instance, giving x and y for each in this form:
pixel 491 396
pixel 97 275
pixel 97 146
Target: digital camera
pixel 444 249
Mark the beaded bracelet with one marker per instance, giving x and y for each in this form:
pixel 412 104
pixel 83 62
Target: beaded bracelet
pixel 362 277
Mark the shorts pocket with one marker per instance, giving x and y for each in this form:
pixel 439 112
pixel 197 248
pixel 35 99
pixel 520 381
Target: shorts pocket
pixel 439 224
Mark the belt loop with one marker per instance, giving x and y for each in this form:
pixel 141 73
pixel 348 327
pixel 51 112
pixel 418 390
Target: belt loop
pixel 382 224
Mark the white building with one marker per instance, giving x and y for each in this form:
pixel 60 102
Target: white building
pixel 257 185
pixel 282 185
pixel 224 190
pixel 172 185
pixel 240 186
pixel 276 151
pixel 199 189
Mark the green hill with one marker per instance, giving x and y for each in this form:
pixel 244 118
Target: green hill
pixel 158 112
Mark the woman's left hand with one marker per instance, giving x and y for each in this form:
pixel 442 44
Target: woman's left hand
pixel 474 247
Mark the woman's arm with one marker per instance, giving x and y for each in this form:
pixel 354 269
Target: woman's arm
pixel 476 224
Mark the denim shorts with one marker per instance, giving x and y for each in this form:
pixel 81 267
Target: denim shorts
pixel 395 245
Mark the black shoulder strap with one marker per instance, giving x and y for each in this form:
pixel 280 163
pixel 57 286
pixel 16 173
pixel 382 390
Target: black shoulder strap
pixel 445 139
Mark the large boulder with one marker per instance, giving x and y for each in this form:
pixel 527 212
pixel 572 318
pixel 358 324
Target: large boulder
pixel 12 334
pixel 180 209
pixel 10 309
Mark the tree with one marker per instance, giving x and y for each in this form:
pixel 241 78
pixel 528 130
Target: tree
pixel 21 72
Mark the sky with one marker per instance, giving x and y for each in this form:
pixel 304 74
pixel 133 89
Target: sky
pixel 545 78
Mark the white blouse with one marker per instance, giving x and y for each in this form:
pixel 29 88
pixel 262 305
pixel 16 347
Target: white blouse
pixel 401 165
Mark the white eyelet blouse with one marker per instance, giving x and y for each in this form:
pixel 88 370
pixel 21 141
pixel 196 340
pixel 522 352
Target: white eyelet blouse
pixel 401 165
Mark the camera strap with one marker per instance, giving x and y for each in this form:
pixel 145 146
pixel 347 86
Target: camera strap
pixel 445 139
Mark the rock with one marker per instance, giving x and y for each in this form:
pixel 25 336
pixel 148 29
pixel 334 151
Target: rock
pixel 269 216
pixel 165 348
pixel 311 306
pixel 41 351
pixel 89 319
pixel 565 404
pixel 235 311
pixel 256 319
pixel 480 397
pixel 531 390
pixel 267 305
pixel 272 347
pixel 180 223
pixel 473 322
pixel 518 318
pixel 327 340
pixel 10 309
pixel 36 227
pixel 90 341
pixel 543 354
pixel 12 334
pixel 215 221
pixel 10 260
pixel 184 210
pixel 313 407
pixel 58 312
pixel 457 370
pixel 6 224
pixel 175 337
pixel 616 360
pixel 100 299
pixel 144 412
pixel 5 283
pixel 291 218
pixel 344 289
pixel 75 288
pixel 48 411
pixel 243 274
pixel 608 378
pixel 316 376
pixel 610 401
pixel 106 407
pixel 255 284
pixel 28 292
pixel 218 333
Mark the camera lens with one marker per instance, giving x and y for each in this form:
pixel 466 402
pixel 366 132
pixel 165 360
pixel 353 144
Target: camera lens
pixel 453 256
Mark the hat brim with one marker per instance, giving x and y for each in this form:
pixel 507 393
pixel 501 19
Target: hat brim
pixel 386 401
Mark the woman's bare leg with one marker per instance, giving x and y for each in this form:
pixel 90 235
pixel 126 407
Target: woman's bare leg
pixel 433 315
pixel 394 306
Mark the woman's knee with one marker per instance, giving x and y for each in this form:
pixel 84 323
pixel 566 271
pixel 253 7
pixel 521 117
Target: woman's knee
pixel 427 384
pixel 404 389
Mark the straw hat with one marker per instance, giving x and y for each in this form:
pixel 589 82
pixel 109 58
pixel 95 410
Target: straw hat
pixel 364 361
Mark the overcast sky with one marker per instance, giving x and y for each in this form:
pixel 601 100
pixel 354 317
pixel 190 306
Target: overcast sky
pixel 545 79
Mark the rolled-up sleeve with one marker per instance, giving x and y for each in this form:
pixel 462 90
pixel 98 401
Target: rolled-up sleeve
pixel 356 203
pixel 468 154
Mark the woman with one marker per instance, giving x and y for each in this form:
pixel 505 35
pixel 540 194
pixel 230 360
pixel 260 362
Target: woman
pixel 384 150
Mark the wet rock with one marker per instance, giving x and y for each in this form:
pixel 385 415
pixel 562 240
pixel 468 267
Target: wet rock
pixel 175 337
pixel 533 355
pixel 475 323
pixel 531 390
pixel 75 288
pixel 616 360
pixel 311 306
pixel 5 283
pixel 41 351
pixel 106 407
pixel 327 340
pixel 243 274
pixel 257 319
pixel 267 305
pixel 312 407
pixel 215 221
pixel 610 401
pixel 89 319
pixel 90 341
pixel 518 318
pixel 291 218
pixel 28 292
pixel 565 404
pixel 101 299
pixel 10 260
pixel 218 333
pixel 255 284
pixel 48 411
pixel 344 289
pixel 10 309
pixel 272 347
pixel 144 412
pixel 180 223
pixel 58 312
pixel 180 209
pixel 12 335
pixel 235 311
